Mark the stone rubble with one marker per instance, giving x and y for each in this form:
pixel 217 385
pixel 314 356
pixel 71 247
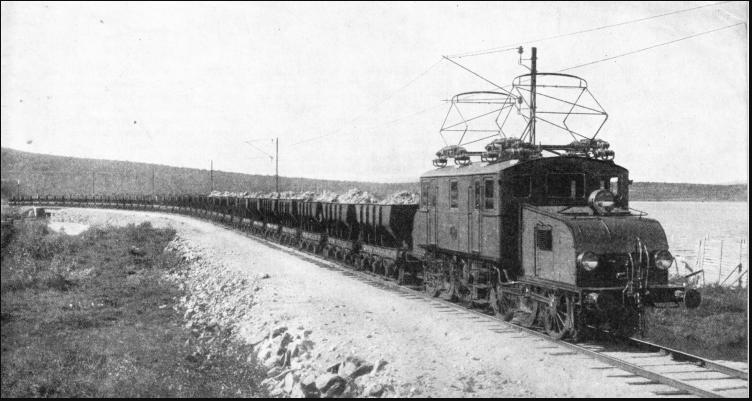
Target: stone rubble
pixel 217 300
pixel 353 195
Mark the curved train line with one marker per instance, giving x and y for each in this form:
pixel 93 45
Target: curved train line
pixel 688 374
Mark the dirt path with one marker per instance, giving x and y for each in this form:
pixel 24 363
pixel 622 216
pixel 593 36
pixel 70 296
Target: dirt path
pixel 430 350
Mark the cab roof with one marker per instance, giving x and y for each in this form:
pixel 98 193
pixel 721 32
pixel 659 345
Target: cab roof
pixel 482 168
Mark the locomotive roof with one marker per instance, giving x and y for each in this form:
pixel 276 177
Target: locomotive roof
pixel 492 168
pixel 472 169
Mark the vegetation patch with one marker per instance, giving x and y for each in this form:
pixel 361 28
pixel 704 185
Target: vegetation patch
pixel 715 330
pixel 94 315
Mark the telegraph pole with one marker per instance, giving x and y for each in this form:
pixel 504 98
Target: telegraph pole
pixel 276 170
pixel 533 72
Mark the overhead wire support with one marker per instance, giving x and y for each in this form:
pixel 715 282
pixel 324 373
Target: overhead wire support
pixel 507 47
pixel 653 46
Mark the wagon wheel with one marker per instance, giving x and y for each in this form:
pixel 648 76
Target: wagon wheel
pixel 391 271
pixel 501 304
pixel 433 284
pixel 401 275
pixel 464 295
pixel 558 316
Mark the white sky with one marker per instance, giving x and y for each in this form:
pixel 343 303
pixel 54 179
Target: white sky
pixel 183 83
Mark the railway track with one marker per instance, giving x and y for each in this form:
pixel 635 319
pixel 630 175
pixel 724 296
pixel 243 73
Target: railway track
pixel 686 374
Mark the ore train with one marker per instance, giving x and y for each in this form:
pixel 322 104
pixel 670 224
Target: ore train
pixel 547 241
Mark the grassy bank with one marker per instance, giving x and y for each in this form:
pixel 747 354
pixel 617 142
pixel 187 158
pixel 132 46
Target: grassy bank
pixel 91 316
pixel 716 330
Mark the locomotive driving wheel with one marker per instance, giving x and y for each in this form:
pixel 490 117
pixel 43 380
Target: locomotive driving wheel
pixel 530 311
pixel 501 304
pixel 558 315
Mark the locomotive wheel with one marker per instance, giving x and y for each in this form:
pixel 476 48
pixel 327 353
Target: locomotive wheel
pixel 530 309
pixel 501 305
pixel 558 316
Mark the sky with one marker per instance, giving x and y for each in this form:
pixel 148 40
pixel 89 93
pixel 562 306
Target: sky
pixel 358 91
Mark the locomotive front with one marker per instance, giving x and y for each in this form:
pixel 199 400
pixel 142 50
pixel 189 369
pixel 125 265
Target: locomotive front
pixel 589 259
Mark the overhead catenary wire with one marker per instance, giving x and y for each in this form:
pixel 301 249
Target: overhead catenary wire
pixel 381 102
pixel 507 47
pixel 653 46
pixel 474 73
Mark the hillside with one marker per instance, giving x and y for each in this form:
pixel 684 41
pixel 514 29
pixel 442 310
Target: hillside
pixel 59 175
pixel 661 191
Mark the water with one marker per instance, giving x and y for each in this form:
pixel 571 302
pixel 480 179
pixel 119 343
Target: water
pixel 705 235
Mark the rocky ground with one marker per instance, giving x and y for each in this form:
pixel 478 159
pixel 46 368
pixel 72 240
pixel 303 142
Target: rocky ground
pixel 320 332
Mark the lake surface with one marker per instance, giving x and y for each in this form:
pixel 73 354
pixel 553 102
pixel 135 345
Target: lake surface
pixel 713 236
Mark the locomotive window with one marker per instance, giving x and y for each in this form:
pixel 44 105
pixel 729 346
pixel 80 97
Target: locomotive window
pixel 521 186
pixel 543 238
pixel 454 194
pixel 433 189
pixel 614 182
pixel 424 188
pixel 566 185
pixel 489 192
pixel 477 194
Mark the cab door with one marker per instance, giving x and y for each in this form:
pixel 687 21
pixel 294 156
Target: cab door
pixel 474 220
pixel 432 217
pixel 543 245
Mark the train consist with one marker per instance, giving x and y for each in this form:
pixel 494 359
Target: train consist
pixel 547 240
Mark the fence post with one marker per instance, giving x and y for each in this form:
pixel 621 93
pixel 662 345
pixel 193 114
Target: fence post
pixel 739 284
pixel 720 263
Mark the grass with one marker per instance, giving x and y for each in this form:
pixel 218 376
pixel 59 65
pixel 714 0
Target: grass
pixel 717 329
pixel 83 316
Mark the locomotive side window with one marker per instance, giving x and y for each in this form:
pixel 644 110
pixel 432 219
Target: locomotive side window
pixel 566 185
pixel 454 194
pixel 424 189
pixel 614 183
pixel 521 185
pixel 477 194
pixel 489 193
pixel 544 238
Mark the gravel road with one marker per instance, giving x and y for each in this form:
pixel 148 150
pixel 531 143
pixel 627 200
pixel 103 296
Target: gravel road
pixel 431 350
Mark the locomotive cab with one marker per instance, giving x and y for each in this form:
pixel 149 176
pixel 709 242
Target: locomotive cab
pixel 578 235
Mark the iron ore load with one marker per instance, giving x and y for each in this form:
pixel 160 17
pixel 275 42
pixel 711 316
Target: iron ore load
pixel 528 230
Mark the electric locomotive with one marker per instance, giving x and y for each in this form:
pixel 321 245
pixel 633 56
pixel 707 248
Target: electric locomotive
pixel 548 240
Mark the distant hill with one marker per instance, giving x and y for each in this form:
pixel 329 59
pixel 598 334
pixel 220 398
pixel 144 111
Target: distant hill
pixel 662 191
pixel 59 175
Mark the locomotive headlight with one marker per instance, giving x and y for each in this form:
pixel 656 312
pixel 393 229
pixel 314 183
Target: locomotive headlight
pixel 588 261
pixel 663 260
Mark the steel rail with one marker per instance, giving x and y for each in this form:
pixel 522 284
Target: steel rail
pixel 684 356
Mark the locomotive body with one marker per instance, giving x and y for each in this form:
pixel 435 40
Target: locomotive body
pixel 553 238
